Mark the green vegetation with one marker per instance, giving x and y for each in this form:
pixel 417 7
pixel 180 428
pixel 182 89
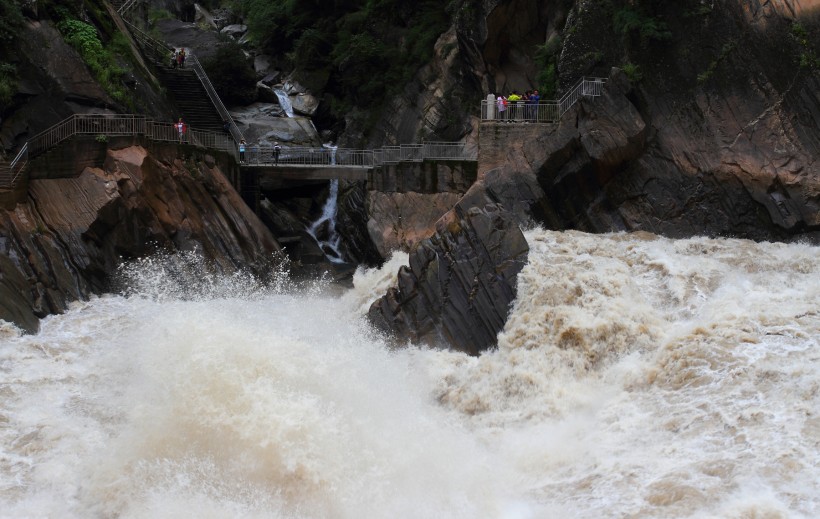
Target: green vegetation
pixel 546 56
pixel 633 21
pixel 11 19
pixel 83 37
pixel 155 15
pixel 345 41
pixel 724 52
pixel 231 74
pixel 808 57
pixel 8 84
pixel 633 72
pixel 699 10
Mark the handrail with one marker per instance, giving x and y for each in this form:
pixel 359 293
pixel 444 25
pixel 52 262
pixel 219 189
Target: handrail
pixel 10 173
pixel 127 6
pixel 255 155
pixel 162 50
pixel 217 102
pixel 544 111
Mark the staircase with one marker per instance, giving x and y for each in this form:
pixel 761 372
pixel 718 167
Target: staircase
pixel 190 98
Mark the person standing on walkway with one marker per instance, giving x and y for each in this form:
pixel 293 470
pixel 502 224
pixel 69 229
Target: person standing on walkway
pixel 242 151
pixel 276 151
pixel 181 58
pixel 501 104
pixel 181 129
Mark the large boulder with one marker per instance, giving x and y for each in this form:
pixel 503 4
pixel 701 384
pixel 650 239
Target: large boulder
pixel 261 123
pixel 460 283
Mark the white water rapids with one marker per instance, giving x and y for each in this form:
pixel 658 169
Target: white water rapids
pixel 636 377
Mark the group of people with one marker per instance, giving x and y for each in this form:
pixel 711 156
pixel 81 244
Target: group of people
pixel 178 58
pixel 515 107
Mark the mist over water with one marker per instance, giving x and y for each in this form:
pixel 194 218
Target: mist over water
pixel 636 377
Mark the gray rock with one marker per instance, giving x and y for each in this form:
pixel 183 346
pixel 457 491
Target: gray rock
pixel 261 123
pixel 304 104
pixel 460 283
pixel 265 94
pixel 234 30
pixel 262 64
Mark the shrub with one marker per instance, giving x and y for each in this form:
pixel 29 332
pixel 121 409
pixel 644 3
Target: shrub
pixel 8 85
pixel 630 21
pixel 100 61
pixel 633 72
pixel 808 58
pixel 11 19
pixel 545 57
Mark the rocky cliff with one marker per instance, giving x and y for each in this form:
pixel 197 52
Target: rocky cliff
pixel 724 95
pixel 460 283
pixel 68 236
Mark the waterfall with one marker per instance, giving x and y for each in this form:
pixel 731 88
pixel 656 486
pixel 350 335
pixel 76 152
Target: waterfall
pixel 325 227
pixel 284 101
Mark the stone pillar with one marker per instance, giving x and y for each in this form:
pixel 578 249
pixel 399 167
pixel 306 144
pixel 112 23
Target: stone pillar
pixel 490 115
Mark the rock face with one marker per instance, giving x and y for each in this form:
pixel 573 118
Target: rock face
pixel 605 168
pixel 261 123
pixel 460 283
pixel 715 134
pixel 66 239
pixel 399 221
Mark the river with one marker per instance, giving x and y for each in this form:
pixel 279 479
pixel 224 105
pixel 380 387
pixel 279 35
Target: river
pixel 636 377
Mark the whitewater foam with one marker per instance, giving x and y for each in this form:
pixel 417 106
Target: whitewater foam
pixel 636 377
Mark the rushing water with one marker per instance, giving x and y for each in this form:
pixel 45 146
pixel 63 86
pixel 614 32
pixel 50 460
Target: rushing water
pixel 324 230
pixel 284 101
pixel 636 377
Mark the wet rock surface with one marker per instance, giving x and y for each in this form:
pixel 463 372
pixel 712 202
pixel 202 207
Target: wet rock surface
pixel 460 283
pixel 68 237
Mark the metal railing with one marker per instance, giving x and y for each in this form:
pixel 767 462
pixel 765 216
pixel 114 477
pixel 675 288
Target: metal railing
pixel 217 102
pixel 168 132
pixel 161 52
pixel 126 6
pixel 104 125
pixel 304 156
pixel 543 111
pixel 344 157
pixel 448 151
pixel 9 174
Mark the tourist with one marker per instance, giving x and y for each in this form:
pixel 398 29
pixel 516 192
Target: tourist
pixel 181 129
pixel 501 104
pixel 276 151
pixel 242 151
pixel 535 98
pixel 515 101
pixel 181 58
pixel 174 58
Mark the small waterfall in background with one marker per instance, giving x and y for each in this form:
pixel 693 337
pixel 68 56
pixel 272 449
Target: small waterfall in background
pixel 323 230
pixel 284 101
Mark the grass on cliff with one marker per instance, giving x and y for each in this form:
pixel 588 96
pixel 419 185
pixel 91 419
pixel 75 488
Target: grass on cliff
pixel 101 61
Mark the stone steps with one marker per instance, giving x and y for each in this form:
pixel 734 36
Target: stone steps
pixel 191 99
